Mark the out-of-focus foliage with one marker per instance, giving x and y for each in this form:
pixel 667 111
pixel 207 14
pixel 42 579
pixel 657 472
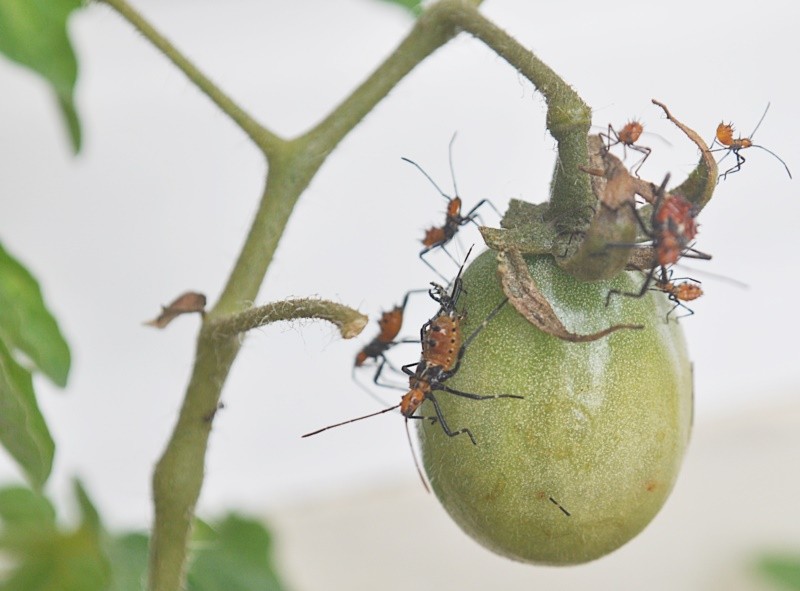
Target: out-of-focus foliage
pixel 232 554
pixel 33 33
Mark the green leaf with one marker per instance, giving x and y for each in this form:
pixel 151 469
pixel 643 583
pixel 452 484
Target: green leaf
pixel 26 324
pixel 413 6
pixel 90 518
pixel 784 570
pixel 23 431
pixel 25 509
pixel 128 557
pixel 232 555
pixel 43 557
pixel 34 34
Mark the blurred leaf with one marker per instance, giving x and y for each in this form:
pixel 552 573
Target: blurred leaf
pixel 413 6
pixel 232 555
pixel 23 431
pixel 23 509
pixel 34 34
pixel 128 556
pixel 784 570
pixel 90 518
pixel 43 557
pixel 26 324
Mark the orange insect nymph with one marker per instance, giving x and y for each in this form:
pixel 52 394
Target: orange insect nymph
pixel 631 132
pixel 627 136
pixel 724 137
pixel 390 324
pixel 687 291
pixel 442 342
pixel 440 236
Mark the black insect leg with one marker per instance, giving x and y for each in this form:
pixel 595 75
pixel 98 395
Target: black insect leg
pixel 449 432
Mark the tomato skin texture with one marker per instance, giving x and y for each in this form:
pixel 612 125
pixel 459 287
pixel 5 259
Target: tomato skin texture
pixel 602 429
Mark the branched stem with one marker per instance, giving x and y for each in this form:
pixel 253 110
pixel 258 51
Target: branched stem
pixel 292 164
pixel 264 138
pixel 568 116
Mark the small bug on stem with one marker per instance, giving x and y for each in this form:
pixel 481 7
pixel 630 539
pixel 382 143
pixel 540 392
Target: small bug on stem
pixel 730 145
pixel 628 136
pixel 678 290
pixel 672 228
pixel 440 236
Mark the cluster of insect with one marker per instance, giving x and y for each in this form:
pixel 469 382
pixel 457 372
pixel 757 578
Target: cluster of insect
pixel 723 140
pixel 441 339
pixel 671 230
pixel 672 227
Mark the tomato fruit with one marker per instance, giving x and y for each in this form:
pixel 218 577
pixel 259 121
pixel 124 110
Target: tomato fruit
pixel 602 428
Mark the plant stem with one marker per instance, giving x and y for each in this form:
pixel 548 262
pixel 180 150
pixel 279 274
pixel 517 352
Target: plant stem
pixel 178 476
pixel 349 322
pixel 568 117
pixel 264 138
pixel 179 473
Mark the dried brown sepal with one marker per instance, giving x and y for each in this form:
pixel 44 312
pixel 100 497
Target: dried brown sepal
pixel 699 185
pixel 186 303
pixel 526 298
pixel 613 185
pixel 643 257
pixel 600 251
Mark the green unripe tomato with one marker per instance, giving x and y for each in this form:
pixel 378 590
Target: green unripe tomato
pixel 602 428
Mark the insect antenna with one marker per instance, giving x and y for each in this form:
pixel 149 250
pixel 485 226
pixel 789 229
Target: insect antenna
pixel 373 414
pixel 427 176
pixel 786 166
pixel 450 159
pixel 755 129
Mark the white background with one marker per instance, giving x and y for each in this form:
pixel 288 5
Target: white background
pixel 162 193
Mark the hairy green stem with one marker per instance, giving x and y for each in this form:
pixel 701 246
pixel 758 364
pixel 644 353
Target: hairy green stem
pixel 349 322
pixel 293 167
pixel 178 476
pixel 568 117
pixel 179 473
pixel 264 138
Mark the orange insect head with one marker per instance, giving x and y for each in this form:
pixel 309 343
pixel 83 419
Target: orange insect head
pixel 361 358
pixel 414 398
